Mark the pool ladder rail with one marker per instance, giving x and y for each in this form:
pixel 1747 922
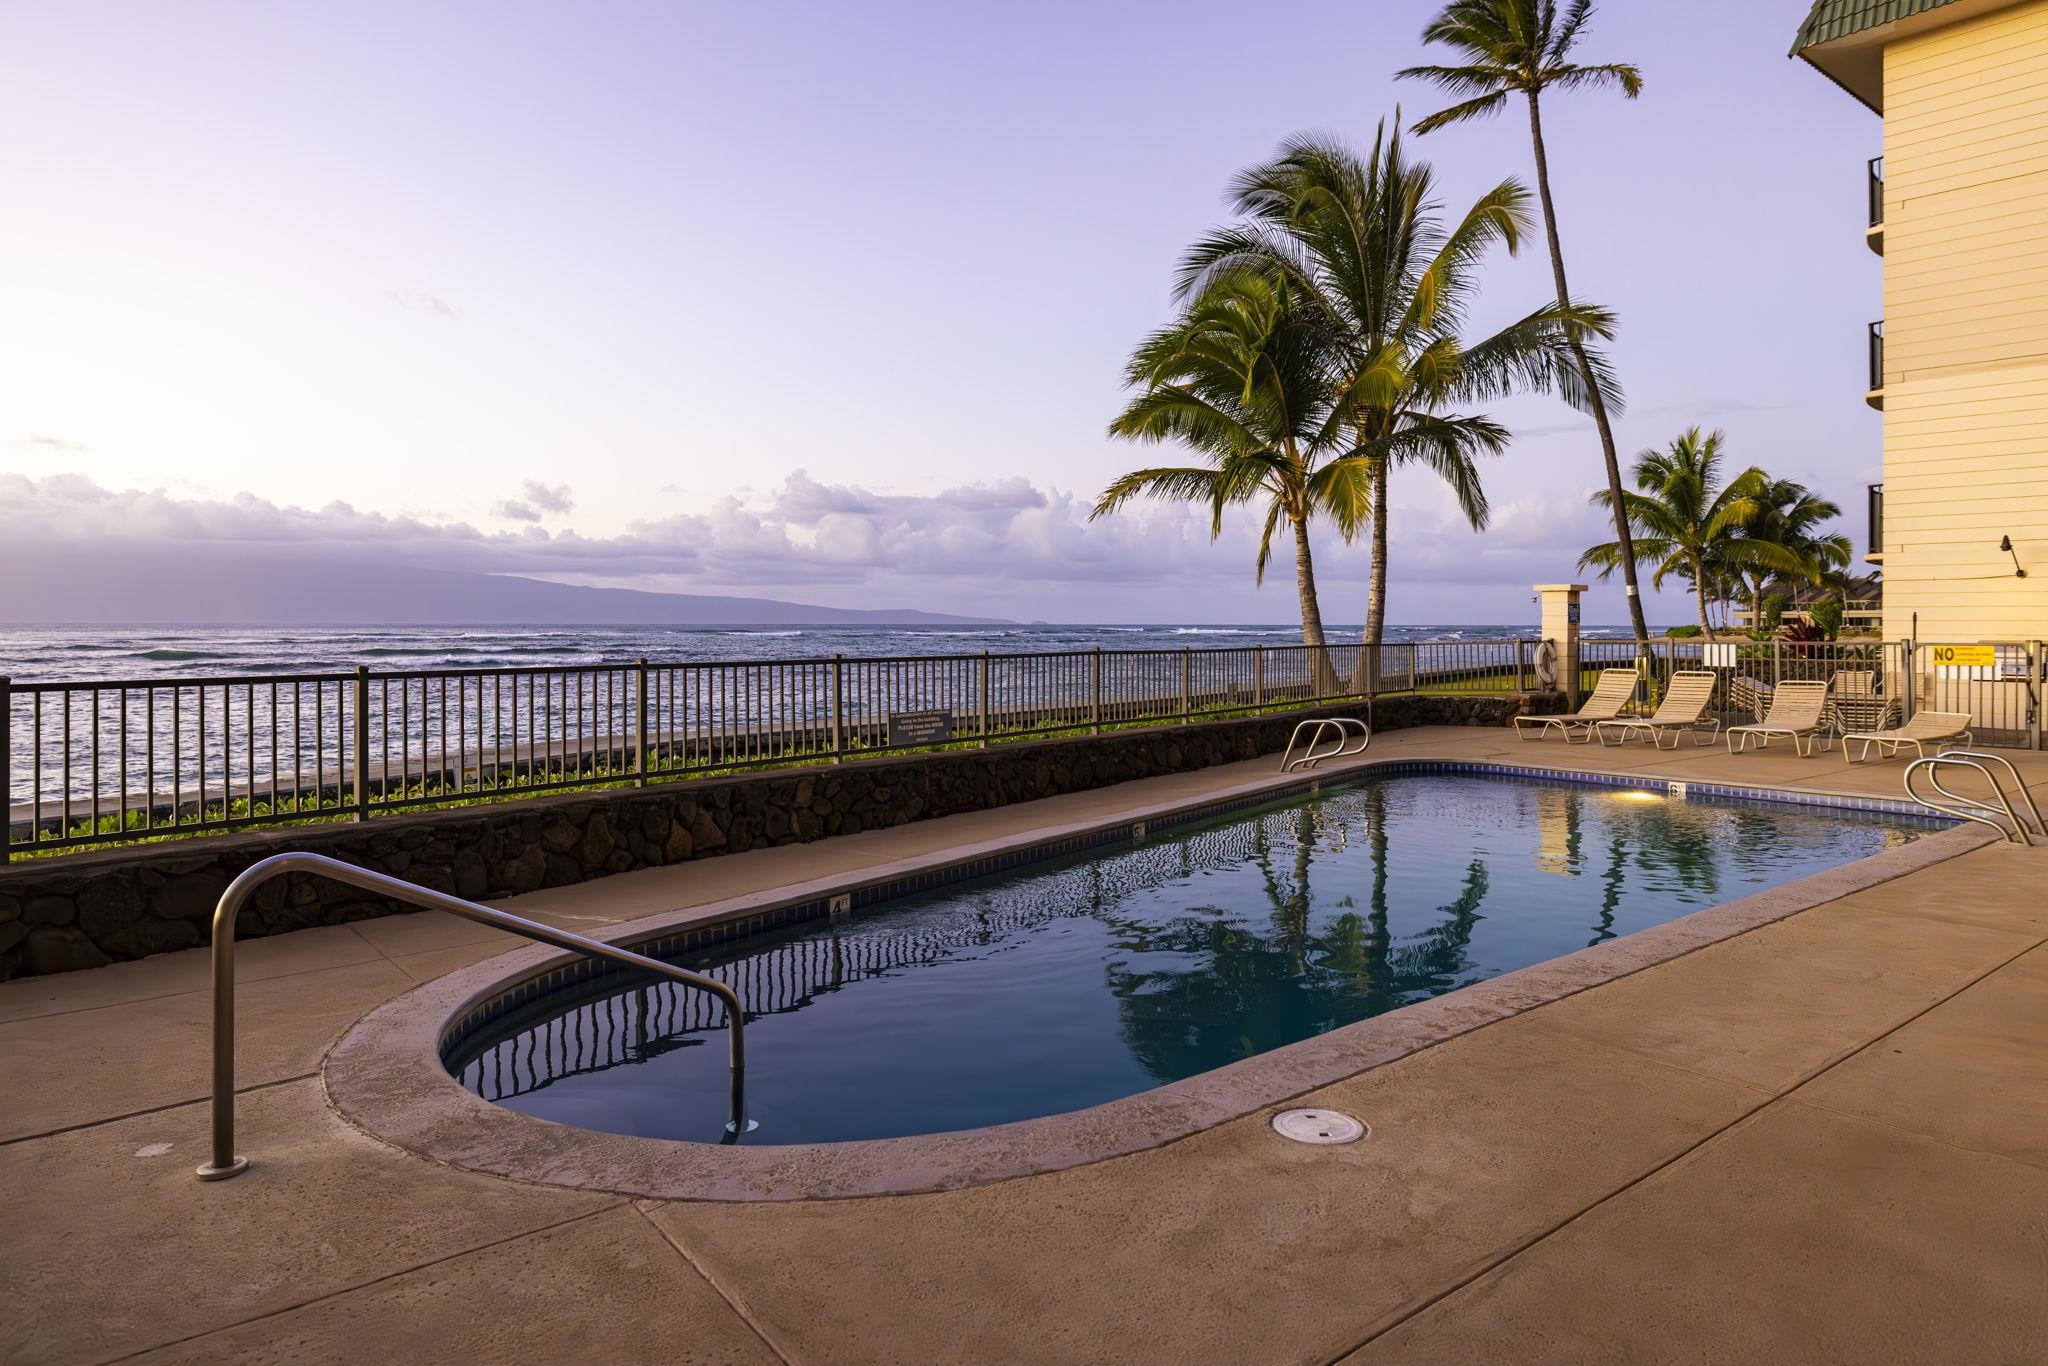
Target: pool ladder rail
pixel 2000 815
pixel 1346 736
pixel 225 1163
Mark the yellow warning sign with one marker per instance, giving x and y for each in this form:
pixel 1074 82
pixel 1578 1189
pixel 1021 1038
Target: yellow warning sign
pixel 1966 656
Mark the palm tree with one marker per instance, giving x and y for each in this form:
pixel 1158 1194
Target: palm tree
pixel 1688 522
pixel 1360 243
pixel 1793 516
pixel 1241 378
pixel 1525 45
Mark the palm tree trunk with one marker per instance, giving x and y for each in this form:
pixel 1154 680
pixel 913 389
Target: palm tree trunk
pixel 1305 584
pixel 1597 399
pixel 1376 586
pixel 1699 587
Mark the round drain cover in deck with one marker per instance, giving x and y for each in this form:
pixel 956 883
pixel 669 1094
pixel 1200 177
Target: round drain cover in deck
pixel 1318 1126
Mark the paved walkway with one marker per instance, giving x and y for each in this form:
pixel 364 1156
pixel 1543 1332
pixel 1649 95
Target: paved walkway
pixel 1823 1139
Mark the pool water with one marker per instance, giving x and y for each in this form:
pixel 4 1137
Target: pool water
pixel 1079 980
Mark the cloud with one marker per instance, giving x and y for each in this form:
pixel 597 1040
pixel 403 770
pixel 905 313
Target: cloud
pixel 423 303
pixel 53 443
pixel 1007 547
pixel 535 501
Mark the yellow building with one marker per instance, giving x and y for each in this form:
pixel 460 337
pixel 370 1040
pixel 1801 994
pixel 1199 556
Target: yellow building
pixel 1959 363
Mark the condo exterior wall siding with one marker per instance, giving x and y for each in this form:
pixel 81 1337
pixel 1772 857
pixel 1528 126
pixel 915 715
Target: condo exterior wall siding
pixel 1966 327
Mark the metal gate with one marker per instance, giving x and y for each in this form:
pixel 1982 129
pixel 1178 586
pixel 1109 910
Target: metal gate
pixel 1999 685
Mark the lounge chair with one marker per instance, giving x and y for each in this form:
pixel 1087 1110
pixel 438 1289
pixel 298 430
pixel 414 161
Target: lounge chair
pixel 1684 708
pixel 1796 711
pixel 1748 695
pixel 1942 729
pixel 1616 688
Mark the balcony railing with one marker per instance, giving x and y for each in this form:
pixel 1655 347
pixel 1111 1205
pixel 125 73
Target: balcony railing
pixel 1876 519
pixel 1875 175
pixel 1875 395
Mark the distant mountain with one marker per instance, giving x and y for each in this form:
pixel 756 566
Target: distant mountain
pixel 127 585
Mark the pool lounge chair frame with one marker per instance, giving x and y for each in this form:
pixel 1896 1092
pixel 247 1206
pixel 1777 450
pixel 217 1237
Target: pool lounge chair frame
pixel 1945 730
pixel 1798 710
pixel 1684 708
pixel 1615 689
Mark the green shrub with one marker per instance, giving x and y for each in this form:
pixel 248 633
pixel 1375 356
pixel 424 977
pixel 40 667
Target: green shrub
pixel 1827 614
pixel 1682 633
pixel 1773 617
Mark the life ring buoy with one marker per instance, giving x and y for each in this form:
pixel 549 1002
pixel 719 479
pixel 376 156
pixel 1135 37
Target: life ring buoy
pixel 1546 665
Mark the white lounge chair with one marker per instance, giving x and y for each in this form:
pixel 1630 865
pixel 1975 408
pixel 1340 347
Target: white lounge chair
pixel 1796 711
pixel 1615 689
pixel 1942 729
pixel 1684 708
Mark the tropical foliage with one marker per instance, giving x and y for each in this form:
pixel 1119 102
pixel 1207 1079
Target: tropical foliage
pixel 1363 246
pixel 1525 47
pixel 1794 516
pixel 1697 527
pixel 1319 346
pixel 1320 343
pixel 1241 379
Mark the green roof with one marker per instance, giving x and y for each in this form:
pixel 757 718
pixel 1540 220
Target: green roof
pixel 1832 19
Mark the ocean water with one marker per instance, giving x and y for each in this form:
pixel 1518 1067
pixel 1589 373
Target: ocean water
pixel 82 653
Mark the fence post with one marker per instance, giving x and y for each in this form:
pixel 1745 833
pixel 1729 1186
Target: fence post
pixel 1908 683
pixel 639 725
pixel 1187 683
pixel 2034 698
pixel 6 769
pixel 982 691
pixel 1258 678
pixel 1095 705
pixel 838 708
pixel 361 776
pixel 1777 662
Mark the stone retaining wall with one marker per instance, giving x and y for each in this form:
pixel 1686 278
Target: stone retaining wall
pixel 91 908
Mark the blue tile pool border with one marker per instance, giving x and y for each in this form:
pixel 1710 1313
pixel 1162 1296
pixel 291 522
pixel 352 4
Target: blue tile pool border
pixel 693 939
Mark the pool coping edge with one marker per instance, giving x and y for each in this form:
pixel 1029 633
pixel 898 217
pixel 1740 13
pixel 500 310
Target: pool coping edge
pixel 386 1076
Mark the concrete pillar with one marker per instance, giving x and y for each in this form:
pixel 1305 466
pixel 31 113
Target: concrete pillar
pixel 1559 620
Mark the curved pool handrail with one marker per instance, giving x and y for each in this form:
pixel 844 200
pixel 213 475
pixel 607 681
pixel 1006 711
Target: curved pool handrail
pixel 1343 748
pixel 225 1163
pixel 1973 808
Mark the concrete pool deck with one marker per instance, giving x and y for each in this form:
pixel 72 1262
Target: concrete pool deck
pixel 1823 1138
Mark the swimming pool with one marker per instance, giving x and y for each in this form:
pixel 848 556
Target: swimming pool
pixel 1078 980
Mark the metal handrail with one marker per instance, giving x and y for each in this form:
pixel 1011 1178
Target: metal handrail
pixel 225 1163
pixel 1971 808
pixel 1342 749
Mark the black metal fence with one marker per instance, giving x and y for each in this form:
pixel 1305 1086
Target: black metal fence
pixel 88 763
pixel 1873 683
pixel 93 762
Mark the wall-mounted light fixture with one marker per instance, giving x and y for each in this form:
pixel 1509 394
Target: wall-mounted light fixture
pixel 2005 544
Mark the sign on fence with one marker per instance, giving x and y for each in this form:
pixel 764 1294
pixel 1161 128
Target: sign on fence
pixel 1965 661
pixel 920 727
pixel 1717 655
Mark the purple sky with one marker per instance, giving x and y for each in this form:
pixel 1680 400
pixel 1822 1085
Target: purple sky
pixel 829 301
